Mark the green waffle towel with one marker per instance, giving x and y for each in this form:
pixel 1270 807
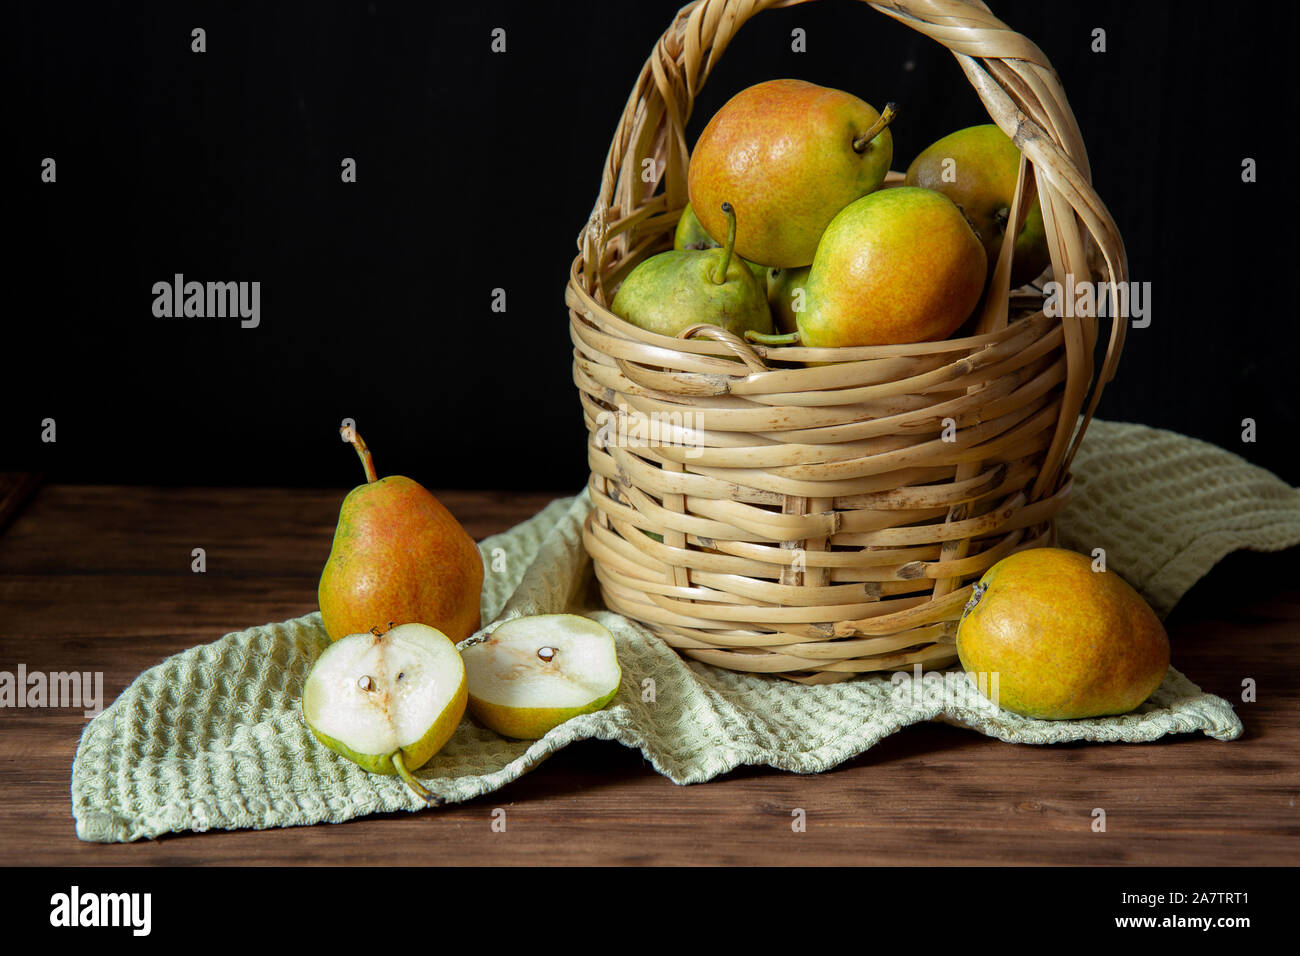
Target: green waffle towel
pixel 212 738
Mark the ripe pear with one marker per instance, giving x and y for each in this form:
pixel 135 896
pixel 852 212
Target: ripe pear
pixel 899 265
pixel 1065 641
pixel 398 555
pixel 790 155
pixel 977 169
pixel 673 290
pixel 387 701
pixel 534 673
pixel 787 295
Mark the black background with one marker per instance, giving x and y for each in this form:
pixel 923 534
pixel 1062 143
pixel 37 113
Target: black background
pixel 477 170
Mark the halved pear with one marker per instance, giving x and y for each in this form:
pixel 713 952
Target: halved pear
pixel 388 702
pixel 534 673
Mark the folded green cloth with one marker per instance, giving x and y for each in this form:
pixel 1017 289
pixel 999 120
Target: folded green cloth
pixel 213 737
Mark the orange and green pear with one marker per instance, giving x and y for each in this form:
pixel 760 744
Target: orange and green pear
pixel 977 169
pixel 398 555
pixel 896 266
pixel 788 155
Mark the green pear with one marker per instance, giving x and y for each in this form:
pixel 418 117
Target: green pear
pixel 977 169
pixel 691 235
pixel 789 155
pixel 673 290
pixel 534 673
pixel 398 555
pixel 1049 636
pixel 387 701
pixel 787 292
pixel 899 265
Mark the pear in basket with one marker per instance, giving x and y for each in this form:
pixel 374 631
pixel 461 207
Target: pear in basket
pixel 787 292
pixel 673 290
pixel 900 265
pixel 977 168
pixel 790 155
pixel 691 235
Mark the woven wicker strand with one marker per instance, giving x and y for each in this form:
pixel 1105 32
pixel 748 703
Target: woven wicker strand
pixel 827 520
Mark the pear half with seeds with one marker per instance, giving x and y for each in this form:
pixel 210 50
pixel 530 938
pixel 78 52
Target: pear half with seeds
pixel 534 673
pixel 387 701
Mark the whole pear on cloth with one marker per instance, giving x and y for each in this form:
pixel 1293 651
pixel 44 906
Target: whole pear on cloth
pixel 398 555
pixel 1064 641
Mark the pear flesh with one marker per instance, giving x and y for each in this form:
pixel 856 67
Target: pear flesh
pixel 534 673
pixel 388 702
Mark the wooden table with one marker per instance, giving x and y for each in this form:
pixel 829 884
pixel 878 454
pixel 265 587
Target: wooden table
pixel 99 579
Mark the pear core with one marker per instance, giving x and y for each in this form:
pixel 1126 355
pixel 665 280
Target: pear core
pixel 534 673
pixel 378 695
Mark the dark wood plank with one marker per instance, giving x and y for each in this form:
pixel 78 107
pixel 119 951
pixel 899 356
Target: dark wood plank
pixel 15 488
pixel 99 579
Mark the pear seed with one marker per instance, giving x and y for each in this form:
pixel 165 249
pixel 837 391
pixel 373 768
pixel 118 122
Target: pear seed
pixel 546 653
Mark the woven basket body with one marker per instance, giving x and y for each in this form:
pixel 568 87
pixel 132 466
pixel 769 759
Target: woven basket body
pixel 822 520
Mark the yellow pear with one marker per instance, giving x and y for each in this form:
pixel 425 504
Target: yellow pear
pixel 1060 640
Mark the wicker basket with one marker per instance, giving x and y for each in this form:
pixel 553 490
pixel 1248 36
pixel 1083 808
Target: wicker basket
pixel 820 521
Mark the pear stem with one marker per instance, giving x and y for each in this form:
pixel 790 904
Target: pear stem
pixel 729 211
pixel 861 144
pixel 432 799
pixel 367 461
pixel 790 338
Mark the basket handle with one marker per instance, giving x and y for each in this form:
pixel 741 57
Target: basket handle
pixel 1018 87
pixel 738 346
